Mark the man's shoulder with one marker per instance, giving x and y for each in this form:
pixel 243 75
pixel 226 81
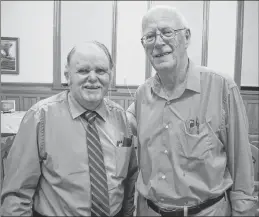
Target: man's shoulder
pixel 111 105
pixel 216 76
pixel 146 85
pixel 50 101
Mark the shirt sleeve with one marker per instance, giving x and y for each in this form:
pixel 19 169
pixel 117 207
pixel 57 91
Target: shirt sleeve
pixel 129 189
pixel 240 157
pixel 132 118
pixel 22 170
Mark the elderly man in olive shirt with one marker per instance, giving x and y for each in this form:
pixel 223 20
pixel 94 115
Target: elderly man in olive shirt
pixel 73 155
pixel 192 130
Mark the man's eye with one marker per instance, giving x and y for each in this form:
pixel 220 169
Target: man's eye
pixel 83 71
pixel 168 33
pixel 150 37
pixel 100 71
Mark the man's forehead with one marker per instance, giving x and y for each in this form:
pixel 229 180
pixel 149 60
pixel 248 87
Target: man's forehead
pixel 88 51
pixel 88 48
pixel 163 14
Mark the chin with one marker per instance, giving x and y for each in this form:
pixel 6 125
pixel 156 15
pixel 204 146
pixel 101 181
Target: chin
pixel 164 67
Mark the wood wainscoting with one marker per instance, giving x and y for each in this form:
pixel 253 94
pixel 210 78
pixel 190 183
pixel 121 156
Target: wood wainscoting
pixel 27 94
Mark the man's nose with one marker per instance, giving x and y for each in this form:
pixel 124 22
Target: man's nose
pixel 159 40
pixel 92 76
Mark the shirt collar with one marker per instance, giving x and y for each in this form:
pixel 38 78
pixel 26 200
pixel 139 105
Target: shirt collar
pixel 193 79
pixel 76 109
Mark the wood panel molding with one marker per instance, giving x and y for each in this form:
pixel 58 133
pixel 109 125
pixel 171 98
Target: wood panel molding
pixel 57 45
pixel 114 40
pixel 239 42
pixel 205 33
pixel 148 65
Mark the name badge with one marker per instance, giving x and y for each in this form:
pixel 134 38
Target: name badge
pixel 126 142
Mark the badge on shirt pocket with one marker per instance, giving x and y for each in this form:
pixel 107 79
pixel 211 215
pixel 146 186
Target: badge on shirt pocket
pixel 125 142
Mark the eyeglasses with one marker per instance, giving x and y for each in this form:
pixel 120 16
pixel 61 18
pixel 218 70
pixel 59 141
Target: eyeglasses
pixel 166 34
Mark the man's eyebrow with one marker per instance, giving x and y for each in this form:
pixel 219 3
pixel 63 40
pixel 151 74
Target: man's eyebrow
pixel 102 67
pixel 83 68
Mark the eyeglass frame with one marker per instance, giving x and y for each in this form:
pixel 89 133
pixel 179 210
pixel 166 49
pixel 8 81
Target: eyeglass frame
pixel 162 36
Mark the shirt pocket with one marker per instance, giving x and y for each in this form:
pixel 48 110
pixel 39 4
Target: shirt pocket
pixel 198 145
pixel 122 161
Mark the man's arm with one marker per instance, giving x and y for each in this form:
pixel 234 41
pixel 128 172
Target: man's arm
pixel 129 185
pixel 132 118
pixel 239 157
pixel 22 170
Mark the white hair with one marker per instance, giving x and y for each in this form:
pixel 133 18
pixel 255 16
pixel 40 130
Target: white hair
pixel 172 10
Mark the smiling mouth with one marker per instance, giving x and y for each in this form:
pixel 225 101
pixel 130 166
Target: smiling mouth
pixel 162 54
pixel 92 88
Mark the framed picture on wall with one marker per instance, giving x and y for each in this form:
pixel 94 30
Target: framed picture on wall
pixel 9 55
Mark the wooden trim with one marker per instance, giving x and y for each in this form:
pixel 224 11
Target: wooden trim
pixel 205 33
pixel 11 88
pixel 26 88
pixel 57 45
pixel 114 41
pixel 148 73
pixel 1 161
pixel 250 88
pixel 239 42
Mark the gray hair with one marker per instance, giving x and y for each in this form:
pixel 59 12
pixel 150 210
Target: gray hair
pixel 172 10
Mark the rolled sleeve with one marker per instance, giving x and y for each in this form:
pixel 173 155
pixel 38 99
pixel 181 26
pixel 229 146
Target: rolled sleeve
pixel 240 157
pixel 22 170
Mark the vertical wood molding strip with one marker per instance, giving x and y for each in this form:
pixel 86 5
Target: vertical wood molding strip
pixel 239 42
pixel 114 40
pixel 205 33
pixel 57 45
pixel 148 64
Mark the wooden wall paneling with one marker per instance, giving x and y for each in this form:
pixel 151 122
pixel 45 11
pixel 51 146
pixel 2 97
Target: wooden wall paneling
pixel 130 101
pixel 28 102
pixel 252 109
pixel 126 103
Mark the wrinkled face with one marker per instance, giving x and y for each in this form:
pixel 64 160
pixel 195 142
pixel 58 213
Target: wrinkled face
pixel 165 53
pixel 89 75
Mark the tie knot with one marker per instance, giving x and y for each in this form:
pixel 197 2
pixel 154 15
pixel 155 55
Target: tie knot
pixel 90 116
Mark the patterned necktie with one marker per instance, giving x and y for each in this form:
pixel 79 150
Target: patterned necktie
pixel 99 187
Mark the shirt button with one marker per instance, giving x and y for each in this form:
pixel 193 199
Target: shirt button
pixel 165 151
pixel 166 126
pixel 163 177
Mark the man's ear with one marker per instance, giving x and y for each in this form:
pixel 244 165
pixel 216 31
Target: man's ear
pixel 67 75
pixel 188 37
pixel 111 74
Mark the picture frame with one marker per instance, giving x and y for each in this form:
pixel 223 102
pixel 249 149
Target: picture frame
pixel 10 56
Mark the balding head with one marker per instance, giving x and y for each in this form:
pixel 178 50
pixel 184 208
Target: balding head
pixel 167 12
pixel 85 45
